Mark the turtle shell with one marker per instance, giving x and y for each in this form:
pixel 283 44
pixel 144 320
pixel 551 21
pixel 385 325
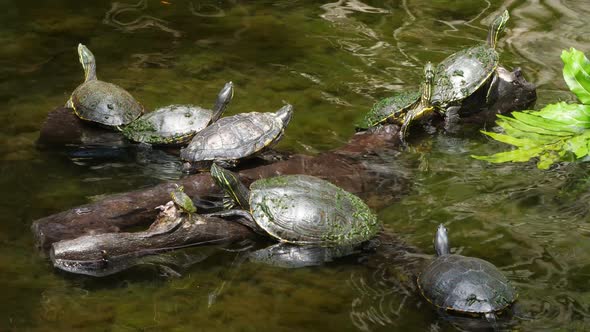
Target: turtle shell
pixel 304 209
pixel 390 110
pixel 463 73
pixel 234 137
pixel 466 284
pixel 105 103
pixel 174 124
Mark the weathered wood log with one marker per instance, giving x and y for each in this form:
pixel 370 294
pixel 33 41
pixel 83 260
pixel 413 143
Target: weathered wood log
pixel 104 254
pixel 108 253
pixel 365 166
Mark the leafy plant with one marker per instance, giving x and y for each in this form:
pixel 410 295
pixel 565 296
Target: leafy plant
pixel 555 133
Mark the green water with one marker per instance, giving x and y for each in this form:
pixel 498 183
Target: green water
pixel 332 61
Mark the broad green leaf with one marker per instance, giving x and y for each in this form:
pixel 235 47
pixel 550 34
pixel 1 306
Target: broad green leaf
pixel 548 124
pixel 576 72
pixel 573 114
pixel 531 129
pixel 540 138
pixel 520 142
pixel 517 155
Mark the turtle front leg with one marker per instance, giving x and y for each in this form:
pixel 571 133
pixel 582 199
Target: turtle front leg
pixel 452 119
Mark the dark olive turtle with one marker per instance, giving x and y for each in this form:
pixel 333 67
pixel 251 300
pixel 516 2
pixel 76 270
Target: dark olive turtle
pixel 389 110
pixel 402 108
pixel 464 284
pixel 177 124
pixel 101 102
pixel 300 209
pixel 235 137
pixel 463 73
pixel 182 200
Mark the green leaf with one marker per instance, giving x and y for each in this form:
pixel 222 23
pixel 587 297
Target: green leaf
pixel 579 145
pixel 573 114
pixel 527 128
pixel 517 155
pixel 551 125
pixel 558 132
pixel 576 72
pixel 520 142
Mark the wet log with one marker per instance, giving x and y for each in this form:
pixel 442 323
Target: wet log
pixel 108 253
pixel 105 254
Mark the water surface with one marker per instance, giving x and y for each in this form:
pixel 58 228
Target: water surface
pixel 332 61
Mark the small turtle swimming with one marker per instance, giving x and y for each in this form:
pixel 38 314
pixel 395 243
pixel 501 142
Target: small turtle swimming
pixel 235 137
pixel 102 102
pixel 299 209
pixel 464 284
pixel 463 73
pixel 403 107
pixel 177 124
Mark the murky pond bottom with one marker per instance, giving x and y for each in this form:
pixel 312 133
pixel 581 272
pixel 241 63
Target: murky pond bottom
pixel 332 61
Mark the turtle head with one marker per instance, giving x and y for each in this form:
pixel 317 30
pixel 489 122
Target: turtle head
pixel 425 106
pixel 441 241
pixel 88 62
pixel 428 84
pixel 285 114
pixel 236 192
pixel 223 98
pixel 497 27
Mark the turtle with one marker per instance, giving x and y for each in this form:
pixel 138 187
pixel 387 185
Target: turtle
pixel 102 102
pixel 177 124
pixel 235 137
pixel 182 200
pixel 463 73
pixel 298 209
pixel 464 284
pixel 403 107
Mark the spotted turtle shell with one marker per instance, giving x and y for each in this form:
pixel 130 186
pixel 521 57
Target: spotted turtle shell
pixel 173 124
pixel 105 103
pixel 463 73
pixel 308 210
pixel 234 137
pixel 466 284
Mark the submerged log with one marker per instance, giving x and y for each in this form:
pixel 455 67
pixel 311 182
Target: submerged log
pixel 367 166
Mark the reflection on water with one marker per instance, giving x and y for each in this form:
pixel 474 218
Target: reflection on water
pixel 138 21
pixel 331 60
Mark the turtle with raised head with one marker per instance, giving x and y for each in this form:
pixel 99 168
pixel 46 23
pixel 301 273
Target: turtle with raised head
pixel 235 137
pixel 177 124
pixel 299 209
pixel 464 284
pixel 463 73
pixel 102 102
pixel 403 107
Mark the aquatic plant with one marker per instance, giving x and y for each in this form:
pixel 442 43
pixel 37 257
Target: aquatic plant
pixel 557 132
